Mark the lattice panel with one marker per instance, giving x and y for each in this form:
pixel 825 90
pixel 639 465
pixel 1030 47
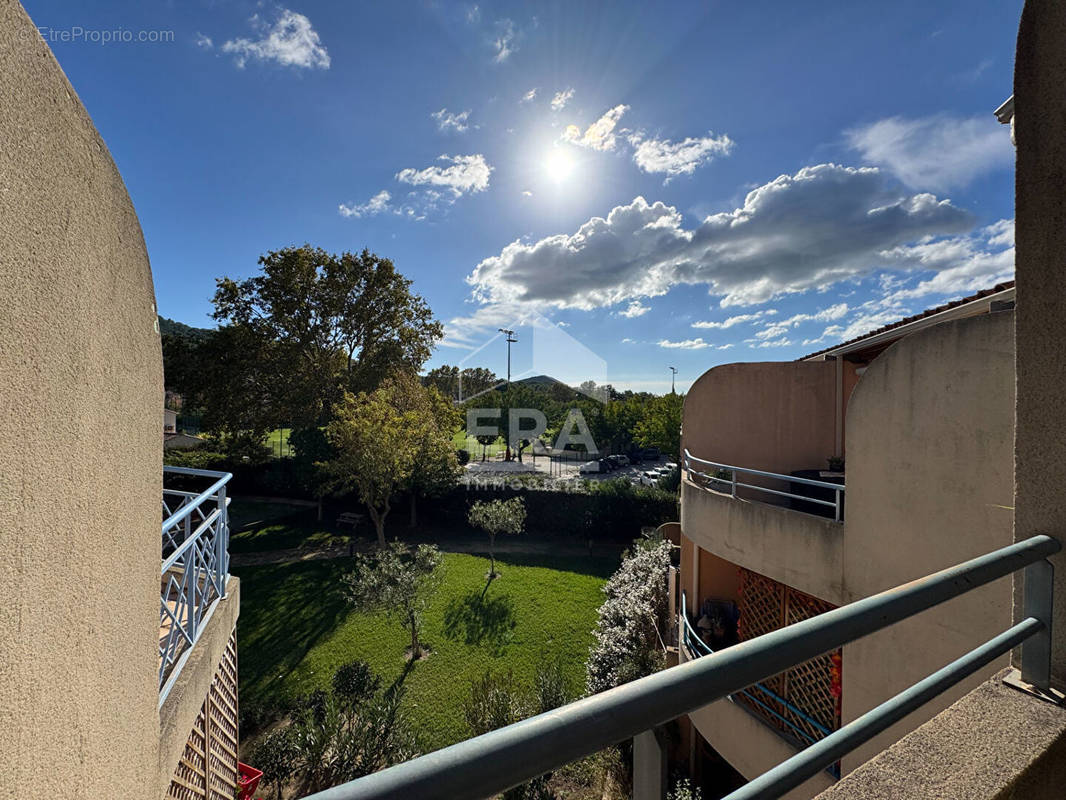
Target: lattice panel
pixel 208 767
pixel 810 691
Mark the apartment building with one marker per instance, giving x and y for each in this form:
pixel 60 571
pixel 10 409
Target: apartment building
pixel 774 530
pixel 117 653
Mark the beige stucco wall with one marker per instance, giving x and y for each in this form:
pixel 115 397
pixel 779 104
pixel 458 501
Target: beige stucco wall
pixel 930 436
pixel 1040 203
pixel 771 416
pixel 80 448
pixel 801 550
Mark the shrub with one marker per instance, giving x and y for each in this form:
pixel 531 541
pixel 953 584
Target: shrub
pixel 276 755
pixel 463 457
pixel 671 482
pixel 354 683
pixel 628 644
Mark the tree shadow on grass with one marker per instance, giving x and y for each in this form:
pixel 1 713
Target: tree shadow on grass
pixel 286 610
pixel 477 618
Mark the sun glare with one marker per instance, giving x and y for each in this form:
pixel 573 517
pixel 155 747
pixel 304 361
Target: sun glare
pixel 559 165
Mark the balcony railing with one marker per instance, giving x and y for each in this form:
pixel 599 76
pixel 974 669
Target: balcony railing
pixel 494 762
pixel 195 552
pixel 723 478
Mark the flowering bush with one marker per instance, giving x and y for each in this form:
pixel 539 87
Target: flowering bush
pixel 628 643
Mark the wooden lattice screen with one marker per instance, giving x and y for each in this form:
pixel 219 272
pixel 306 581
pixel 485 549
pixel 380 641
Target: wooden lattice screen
pixel 812 688
pixel 208 767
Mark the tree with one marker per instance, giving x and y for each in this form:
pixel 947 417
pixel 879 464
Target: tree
pixel 277 756
pixel 323 324
pixel 398 580
pixel 498 516
pixel 436 468
pixel 660 424
pixel 375 443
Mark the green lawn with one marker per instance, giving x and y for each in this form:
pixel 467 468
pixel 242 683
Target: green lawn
pixel 278 442
pixel 296 628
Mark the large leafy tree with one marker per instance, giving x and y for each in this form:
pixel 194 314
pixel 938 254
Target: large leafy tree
pixel 660 424
pixel 395 438
pixel 323 324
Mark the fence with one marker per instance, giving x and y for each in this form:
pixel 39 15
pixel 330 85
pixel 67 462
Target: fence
pixel 195 568
pixel 725 479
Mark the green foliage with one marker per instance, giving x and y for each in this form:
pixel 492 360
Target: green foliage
pixel 354 683
pixel 309 327
pixel 684 790
pixel 462 457
pixel 495 517
pixel 660 424
pixel 398 580
pixel 196 459
pixel 671 482
pixel 276 754
pixel 338 736
pixel 628 644
pixel 499 516
pixel 496 700
pixel 455 384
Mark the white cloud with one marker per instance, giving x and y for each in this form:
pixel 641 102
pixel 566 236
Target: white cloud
pixel 627 340
pixel 635 309
pixel 963 264
pixel 736 320
pixel 204 41
pixel 938 152
pixel 527 193
pixel 600 134
pixel 463 174
pixel 687 344
pixel 677 158
pixel 824 224
pixel 561 99
pixel 505 42
pixel 529 96
pixel 449 121
pixel 783 342
pixel 290 41
pixel 375 205
pixel 779 327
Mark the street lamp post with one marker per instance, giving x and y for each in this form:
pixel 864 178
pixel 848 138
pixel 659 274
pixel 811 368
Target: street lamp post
pixel 673 373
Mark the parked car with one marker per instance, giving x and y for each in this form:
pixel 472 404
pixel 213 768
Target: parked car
pixel 649 477
pixel 591 466
pixel 608 465
pixel 652 454
pixel 623 460
pixel 617 462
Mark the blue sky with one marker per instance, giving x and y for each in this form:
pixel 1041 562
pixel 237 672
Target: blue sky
pixel 680 184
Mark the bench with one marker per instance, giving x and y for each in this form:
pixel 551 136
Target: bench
pixel 350 518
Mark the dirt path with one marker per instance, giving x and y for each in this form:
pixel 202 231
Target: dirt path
pixel 451 545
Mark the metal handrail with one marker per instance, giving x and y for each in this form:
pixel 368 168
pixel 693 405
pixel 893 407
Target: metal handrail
pixel 194 570
pixel 734 484
pixel 690 637
pixel 496 761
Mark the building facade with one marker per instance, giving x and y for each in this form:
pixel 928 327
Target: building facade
pixel 117 661
pixel 921 416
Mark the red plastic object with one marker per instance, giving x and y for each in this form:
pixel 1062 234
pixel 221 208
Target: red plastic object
pixel 247 780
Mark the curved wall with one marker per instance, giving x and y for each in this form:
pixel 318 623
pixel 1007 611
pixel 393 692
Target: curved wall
pixel 80 448
pixel 930 484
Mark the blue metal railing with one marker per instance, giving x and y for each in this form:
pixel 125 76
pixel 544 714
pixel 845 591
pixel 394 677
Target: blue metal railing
pixel 494 762
pixel 195 567
pixel 692 641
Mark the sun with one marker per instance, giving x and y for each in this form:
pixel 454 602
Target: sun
pixel 559 165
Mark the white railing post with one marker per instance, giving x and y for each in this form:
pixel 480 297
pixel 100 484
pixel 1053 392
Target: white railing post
pixel 734 488
pixel 221 543
pixel 839 511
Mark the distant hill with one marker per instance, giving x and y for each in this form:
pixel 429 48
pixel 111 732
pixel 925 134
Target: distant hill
pixel 542 380
pixel 170 327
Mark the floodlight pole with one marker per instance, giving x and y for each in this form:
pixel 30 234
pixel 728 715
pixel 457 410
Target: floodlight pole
pixel 510 340
pixel 673 372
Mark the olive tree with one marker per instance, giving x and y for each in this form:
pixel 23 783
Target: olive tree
pixel 398 580
pixel 498 516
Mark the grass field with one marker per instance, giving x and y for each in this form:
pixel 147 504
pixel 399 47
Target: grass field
pixel 278 442
pixel 296 628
